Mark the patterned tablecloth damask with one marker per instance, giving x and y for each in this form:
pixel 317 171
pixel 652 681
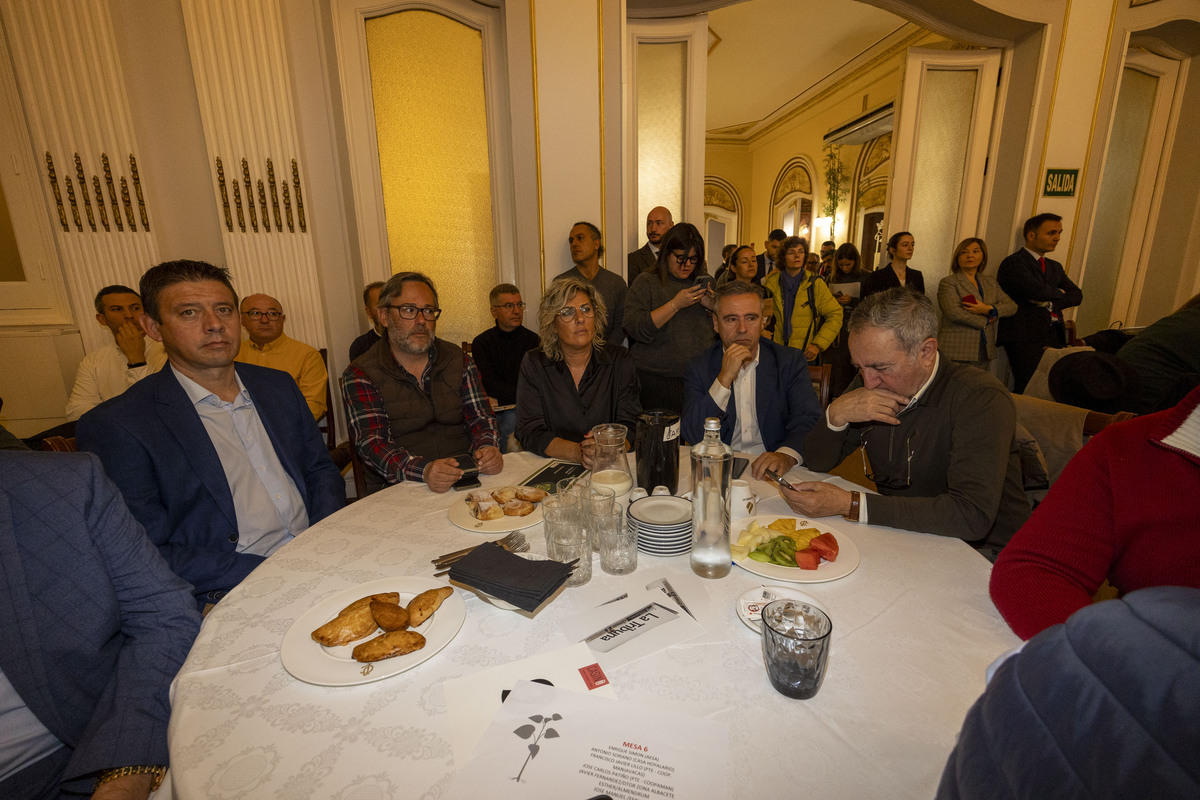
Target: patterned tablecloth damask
pixel 914 631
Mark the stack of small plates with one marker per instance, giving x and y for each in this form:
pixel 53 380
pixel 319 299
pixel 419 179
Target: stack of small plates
pixel 663 525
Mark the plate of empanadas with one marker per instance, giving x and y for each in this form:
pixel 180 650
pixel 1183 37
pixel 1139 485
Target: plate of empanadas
pixel 507 508
pixel 372 631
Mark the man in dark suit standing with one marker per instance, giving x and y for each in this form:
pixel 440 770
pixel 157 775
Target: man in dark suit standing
pixel 645 258
pixel 1041 289
pixel 769 260
pixel 761 391
pixel 221 463
pixel 95 628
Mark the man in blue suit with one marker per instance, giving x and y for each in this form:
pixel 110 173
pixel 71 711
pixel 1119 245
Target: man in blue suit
pixel 1042 291
pixel 94 629
pixel 761 391
pixel 221 463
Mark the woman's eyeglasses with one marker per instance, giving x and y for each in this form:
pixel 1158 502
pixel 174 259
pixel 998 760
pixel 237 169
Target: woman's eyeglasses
pixel 683 258
pixel 568 312
pixel 883 481
pixel 410 312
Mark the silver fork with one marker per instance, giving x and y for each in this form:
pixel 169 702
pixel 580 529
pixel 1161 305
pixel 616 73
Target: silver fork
pixel 514 538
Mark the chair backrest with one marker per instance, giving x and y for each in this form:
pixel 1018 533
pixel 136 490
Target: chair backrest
pixel 59 444
pixel 357 467
pixel 325 423
pixel 822 380
pixel 466 346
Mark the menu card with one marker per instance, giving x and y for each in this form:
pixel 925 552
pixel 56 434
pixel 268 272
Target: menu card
pixel 547 742
pixel 472 700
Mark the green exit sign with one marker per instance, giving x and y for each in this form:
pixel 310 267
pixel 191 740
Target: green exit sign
pixel 1060 183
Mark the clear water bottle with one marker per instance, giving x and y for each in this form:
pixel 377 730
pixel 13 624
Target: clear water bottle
pixel 712 475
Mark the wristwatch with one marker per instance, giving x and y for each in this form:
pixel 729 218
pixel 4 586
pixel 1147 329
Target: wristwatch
pixel 855 505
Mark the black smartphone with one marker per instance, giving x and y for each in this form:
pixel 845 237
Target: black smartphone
pixel 470 478
pixel 771 476
pixel 703 280
pixel 739 466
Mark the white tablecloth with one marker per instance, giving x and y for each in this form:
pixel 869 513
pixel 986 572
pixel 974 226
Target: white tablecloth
pixel 914 630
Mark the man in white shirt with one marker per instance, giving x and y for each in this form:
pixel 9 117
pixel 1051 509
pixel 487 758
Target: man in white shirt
pixel 109 371
pixel 761 391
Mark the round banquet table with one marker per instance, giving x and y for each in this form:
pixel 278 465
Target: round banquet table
pixel 914 631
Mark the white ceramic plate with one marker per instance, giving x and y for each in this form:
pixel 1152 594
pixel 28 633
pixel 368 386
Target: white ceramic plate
pixel 846 563
pixel 750 604
pixel 461 516
pixel 661 511
pixel 334 666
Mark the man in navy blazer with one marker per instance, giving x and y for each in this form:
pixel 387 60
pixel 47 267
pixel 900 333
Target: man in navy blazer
pixel 1041 289
pixel 221 463
pixel 94 628
pixel 761 391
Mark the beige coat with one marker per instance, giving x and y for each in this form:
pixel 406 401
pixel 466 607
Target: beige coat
pixel 958 336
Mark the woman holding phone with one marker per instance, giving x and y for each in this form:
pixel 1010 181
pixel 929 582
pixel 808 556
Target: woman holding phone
pixel 971 302
pixel 667 317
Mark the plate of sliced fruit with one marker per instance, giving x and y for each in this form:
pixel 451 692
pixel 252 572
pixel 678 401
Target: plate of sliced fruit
pixel 792 549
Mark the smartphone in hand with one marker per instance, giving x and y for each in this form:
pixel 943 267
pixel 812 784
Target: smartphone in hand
pixel 969 300
pixel 470 478
pixel 771 476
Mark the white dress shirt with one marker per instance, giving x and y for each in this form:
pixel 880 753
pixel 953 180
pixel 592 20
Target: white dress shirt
pixel 270 510
pixel 105 373
pixel 746 438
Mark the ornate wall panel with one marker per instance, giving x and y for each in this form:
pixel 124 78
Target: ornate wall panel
pixel 244 86
pixel 70 80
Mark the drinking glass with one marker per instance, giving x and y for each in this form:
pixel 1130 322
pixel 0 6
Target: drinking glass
pixel 566 538
pixel 593 500
pixel 795 641
pixel 618 542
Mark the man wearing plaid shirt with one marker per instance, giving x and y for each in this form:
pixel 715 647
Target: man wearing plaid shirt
pixel 417 402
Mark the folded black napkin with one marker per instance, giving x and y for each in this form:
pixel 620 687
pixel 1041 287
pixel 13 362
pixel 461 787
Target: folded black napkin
pixel 493 570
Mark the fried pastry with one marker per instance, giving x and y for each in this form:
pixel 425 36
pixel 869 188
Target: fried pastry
pixel 421 607
pixel 518 508
pixel 389 616
pixel 479 496
pixel 504 494
pixel 351 624
pixel 531 494
pixel 363 602
pixel 389 645
pixel 487 509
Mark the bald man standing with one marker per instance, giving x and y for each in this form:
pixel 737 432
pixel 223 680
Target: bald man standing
pixel 645 258
pixel 269 346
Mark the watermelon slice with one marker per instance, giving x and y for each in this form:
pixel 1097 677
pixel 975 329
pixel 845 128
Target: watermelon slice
pixel 826 545
pixel 808 559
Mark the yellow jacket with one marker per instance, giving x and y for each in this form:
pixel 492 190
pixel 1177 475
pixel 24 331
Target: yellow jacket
pixel 805 329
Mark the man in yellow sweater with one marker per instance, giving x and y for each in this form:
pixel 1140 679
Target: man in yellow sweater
pixel 268 346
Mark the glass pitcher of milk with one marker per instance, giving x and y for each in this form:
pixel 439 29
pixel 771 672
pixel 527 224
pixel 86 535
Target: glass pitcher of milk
pixel 610 466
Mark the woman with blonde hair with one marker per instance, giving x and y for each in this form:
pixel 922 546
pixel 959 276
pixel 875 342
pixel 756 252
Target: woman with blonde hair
pixel 971 302
pixel 574 381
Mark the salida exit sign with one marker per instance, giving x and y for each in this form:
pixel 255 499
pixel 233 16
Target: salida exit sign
pixel 1060 183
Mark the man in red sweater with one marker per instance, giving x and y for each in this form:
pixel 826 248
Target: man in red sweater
pixel 1124 510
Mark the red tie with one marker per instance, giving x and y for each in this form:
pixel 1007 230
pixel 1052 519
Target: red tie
pixel 1042 261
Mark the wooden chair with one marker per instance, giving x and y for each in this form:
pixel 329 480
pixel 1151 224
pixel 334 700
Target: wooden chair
pixel 822 381
pixel 325 423
pixel 357 467
pixel 59 444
